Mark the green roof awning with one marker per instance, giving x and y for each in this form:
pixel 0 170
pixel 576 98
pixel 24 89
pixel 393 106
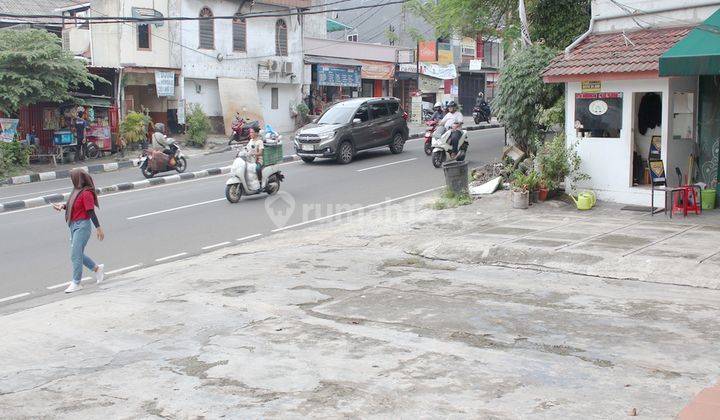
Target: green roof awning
pixel 697 53
pixel 334 26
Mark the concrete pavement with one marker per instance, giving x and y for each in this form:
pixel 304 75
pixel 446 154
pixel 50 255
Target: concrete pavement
pixel 342 319
pixel 184 219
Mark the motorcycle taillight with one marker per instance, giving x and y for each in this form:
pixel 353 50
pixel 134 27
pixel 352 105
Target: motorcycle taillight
pixel 405 116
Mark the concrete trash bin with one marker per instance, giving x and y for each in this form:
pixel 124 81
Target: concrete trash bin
pixel 456 176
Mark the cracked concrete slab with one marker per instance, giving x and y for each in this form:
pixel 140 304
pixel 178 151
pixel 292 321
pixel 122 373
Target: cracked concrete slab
pixel 379 317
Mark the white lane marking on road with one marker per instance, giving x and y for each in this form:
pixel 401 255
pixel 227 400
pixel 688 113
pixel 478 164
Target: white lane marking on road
pixel 205 248
pixel 175 208
pixel 13 297
pixel 386 164
pixel 35 193
pixel 120 270
pixel 170 257
pixel 357 209
pixel 247 238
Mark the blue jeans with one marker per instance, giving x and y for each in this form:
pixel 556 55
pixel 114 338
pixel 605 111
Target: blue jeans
pixel 80 231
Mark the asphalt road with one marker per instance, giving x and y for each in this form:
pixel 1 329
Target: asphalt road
pixel 159 224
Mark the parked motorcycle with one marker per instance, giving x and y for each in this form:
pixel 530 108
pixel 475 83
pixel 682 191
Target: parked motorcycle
pixel 243 176
pixel 241 129
pixel 442 149
pixel 481 113
pixel 431 126
pixel 153 162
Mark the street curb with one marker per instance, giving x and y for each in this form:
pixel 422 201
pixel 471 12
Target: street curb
pixel 125 186
pixel 65 173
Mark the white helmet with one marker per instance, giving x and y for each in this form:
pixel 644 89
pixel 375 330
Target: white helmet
pixel 437 105
pixel 480 94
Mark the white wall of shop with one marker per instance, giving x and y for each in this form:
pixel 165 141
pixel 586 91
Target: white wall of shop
pixel 205 93
pixel 610 17
pixel 198 65
pixel 608 161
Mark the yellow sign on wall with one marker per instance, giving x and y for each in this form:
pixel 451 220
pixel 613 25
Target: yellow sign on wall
pixel 591 86
pixel 445 54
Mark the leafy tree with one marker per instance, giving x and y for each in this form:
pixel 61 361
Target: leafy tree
pixel 134 127
pixel 466 17
pixel 35 68
pixel 523 94
pixel 558 22
pixel 198 126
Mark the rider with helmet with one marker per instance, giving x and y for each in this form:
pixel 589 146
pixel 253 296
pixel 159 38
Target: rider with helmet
pixel 438 114
pixel 453 121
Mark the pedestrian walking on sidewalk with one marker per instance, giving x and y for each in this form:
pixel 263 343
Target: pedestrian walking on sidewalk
pixel 79 212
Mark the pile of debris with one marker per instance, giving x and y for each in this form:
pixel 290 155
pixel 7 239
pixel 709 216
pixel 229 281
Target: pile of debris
pixel 489 177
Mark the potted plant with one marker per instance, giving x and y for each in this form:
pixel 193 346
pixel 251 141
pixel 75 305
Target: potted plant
pixel 519 193
pixel 533 182
pixel 544 187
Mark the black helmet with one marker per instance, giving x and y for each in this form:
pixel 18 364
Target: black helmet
pixel 452 104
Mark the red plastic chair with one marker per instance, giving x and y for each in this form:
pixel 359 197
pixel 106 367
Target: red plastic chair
pixel 686 198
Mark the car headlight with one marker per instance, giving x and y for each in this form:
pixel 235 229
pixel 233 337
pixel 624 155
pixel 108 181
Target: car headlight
pixel 326 137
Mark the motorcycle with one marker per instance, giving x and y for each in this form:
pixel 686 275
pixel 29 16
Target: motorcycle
pixel 152 162
pixel 241 130
pixel 481 113
pixel 243 176
pixel 427 114
pixel 442 149
pixel 431 126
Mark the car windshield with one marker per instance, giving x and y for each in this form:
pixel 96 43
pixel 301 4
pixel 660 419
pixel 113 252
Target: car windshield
pixel 337 115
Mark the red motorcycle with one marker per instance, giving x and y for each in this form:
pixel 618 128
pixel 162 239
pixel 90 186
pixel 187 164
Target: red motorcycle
pixel 241 130
pixel 431 125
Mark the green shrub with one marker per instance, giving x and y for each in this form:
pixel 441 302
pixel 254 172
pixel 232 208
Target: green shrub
pixel 198 126
pixel 559 162
pixel 449 199
pixel 134 127
pixel 13 156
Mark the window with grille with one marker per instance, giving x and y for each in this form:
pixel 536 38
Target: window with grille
pixel 143 37
pixel 239 34
pixel 207 29
pixel 281 38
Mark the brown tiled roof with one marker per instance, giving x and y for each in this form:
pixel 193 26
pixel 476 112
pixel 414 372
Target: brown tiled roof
pixel 637 51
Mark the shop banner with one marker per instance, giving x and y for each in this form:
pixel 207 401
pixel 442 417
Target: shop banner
pixel 181 112
pixel 438 71
pixel 8 129
pixel 445 54
pixel 428 51
pixel 165 83
pixel 377 70
pixel 408 68
pixel 338 76
pixel 429 84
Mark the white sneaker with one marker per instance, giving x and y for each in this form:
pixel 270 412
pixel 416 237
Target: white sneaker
pixel 74 287
pixel 100 273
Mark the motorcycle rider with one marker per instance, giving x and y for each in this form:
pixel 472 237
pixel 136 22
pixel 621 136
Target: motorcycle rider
pixel 438 114
pixel 453 120
pixel 480 100
pixel 159 140
pixel 255 148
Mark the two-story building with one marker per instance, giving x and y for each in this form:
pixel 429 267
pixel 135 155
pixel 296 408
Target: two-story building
pixel 629 118
pixel 248 65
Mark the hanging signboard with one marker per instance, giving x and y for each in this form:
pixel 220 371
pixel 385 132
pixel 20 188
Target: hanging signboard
pixel 444 53
pixel 338 76
pixel 475 65
pixel 429 84
pixel 444 72
pixel 591 86
pixel 8 129
pixel 165 83
pixel 377 70
pixel 406 56
pixel 181 111
pixel 428 51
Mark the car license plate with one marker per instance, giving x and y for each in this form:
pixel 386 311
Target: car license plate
pixel 308 147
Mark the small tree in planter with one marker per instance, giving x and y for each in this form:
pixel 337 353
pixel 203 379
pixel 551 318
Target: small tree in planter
pixel 198 126
pixel 559 162
pixel 520 190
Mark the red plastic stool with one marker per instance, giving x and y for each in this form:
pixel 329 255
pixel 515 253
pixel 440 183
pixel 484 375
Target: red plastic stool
pixel 685 200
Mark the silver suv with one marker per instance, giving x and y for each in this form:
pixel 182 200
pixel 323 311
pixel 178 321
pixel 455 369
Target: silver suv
pixel 351 126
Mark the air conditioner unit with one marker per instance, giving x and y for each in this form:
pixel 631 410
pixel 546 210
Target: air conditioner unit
pixel 274 66
pixel 287 67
